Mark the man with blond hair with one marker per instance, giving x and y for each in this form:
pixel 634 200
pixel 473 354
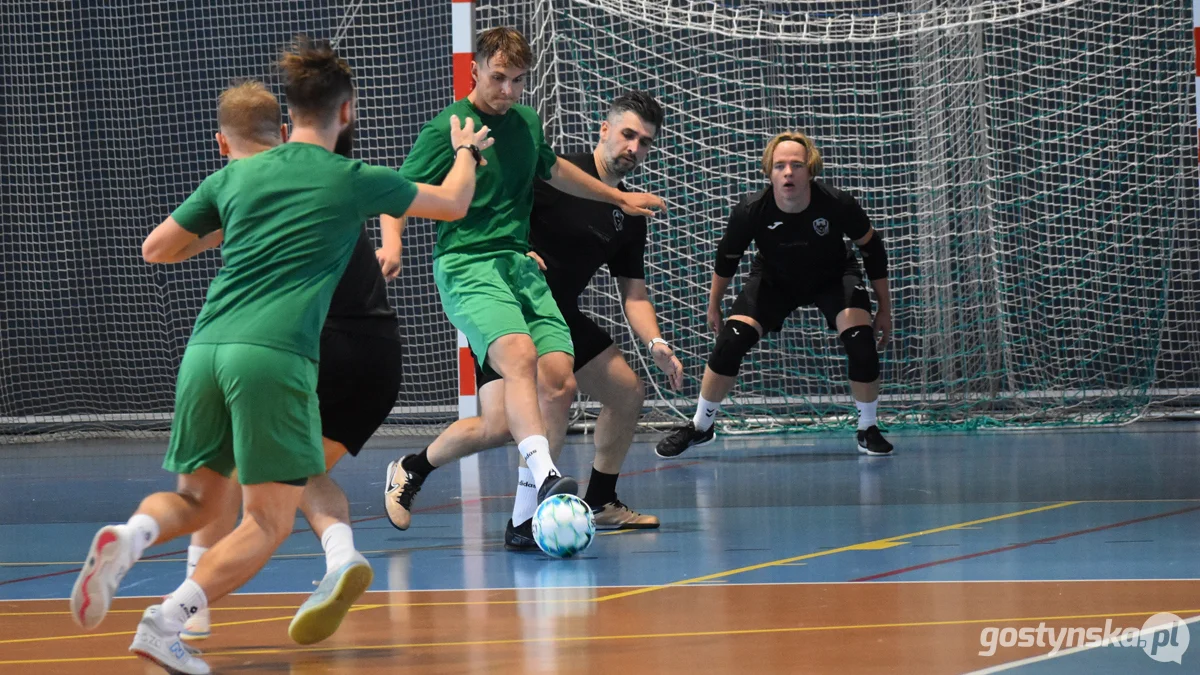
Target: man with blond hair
pixel 800 226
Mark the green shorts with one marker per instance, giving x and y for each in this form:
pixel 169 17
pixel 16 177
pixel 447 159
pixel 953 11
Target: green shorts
pixel 491 295
pixel 250 407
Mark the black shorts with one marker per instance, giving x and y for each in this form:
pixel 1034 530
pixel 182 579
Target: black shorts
pixel 769 304
pixel 588 338
pixel 357 385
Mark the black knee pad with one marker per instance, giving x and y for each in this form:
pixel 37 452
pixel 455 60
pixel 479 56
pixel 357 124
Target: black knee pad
pixel 859 342
pixel 733 343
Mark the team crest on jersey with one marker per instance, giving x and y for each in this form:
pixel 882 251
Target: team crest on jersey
pixel 618 219
pixel 821 226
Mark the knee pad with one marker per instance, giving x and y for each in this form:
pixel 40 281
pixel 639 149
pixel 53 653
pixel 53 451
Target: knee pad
pixel 859 342
pixel 733 343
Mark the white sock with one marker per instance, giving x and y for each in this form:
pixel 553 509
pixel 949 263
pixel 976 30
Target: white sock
pixel 536 451
pixel 866 414
pixel 526 500
pixel 144 531
pixel 338 542
pixel 706 411
pixel 181 605
pixel 194 553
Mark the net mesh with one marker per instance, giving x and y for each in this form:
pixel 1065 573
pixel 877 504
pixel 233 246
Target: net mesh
pixel 1030 164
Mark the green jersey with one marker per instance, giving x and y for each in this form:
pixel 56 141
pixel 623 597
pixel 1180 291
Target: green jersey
pixel 498 219
pixel 292 216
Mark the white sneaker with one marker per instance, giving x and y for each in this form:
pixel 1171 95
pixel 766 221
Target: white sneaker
pixel 199 627
pixel 162 647
pixel 323 611
pixel 109 558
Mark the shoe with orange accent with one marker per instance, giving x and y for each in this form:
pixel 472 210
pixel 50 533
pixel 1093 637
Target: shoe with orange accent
pixel 109 558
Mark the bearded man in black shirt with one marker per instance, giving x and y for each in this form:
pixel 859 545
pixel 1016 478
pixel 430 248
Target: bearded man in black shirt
pixel 572 238
pixel 799 225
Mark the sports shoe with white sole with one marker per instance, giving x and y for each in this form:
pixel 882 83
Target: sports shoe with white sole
pixel 163 648
pixel 107 562
pixel 320 615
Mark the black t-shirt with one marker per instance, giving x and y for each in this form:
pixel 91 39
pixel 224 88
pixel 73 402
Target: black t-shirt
pixel 798 251
pixel 360 302
pixel 576 236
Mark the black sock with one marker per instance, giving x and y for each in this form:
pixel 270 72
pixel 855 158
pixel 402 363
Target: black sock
pixel 601 489
pixel 418 464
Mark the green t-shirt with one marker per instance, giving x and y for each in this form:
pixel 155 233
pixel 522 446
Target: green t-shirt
pixel 498 219
pixel 291 215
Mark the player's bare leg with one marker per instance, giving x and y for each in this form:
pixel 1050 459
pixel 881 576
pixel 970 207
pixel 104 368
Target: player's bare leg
pixel 607 378
pixel 713 390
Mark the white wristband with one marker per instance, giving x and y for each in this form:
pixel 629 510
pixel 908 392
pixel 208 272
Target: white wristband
pixel 657 340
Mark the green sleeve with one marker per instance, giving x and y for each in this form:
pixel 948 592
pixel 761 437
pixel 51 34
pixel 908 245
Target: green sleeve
pixel 382 190
pixel 198 213
pixel 545 154
pixel 431 157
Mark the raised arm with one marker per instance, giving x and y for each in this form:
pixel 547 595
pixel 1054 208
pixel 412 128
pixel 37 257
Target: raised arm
pixel 574 181
pixel 450 200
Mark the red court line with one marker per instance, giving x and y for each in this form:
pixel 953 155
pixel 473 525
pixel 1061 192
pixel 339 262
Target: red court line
pixel 352 522
pixel 1027 544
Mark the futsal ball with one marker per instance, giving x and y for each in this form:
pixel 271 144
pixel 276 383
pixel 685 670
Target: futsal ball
pixel 563 525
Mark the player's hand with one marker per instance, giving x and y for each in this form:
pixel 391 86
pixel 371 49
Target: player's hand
pixel 642 204
pixel 715 320
pixel 389 263
pixel 541 263
pixel 883 326
pixel 666 361
pixel 466 135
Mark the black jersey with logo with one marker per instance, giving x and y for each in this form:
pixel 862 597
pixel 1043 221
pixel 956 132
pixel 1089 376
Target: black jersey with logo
pixel 576 236
pixel 799 251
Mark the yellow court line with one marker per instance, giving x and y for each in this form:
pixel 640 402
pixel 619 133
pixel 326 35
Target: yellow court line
pixel 642 636
pixel 292 608
pixel 809 556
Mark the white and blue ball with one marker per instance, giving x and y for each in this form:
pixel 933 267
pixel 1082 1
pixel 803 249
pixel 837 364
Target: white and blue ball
pixel 563 525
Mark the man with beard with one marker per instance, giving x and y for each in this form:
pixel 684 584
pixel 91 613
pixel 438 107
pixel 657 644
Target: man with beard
pixel 490 289
pixel 573 238
pixel 357 382
pixel 246 391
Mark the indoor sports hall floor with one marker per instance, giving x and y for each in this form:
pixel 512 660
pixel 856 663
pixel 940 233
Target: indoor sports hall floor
pixel 777 555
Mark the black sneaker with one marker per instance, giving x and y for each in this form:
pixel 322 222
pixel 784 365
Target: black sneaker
pixel 400 487
pixel 683 438
pixel 519 538
pixel 557 485
pixel 872 442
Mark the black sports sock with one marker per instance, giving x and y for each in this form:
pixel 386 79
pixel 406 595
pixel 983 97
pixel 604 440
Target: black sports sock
pixel 601 489
pixel 418 464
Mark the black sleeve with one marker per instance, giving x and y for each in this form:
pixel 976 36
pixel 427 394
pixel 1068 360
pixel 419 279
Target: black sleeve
pixel 629 261
pixel 738 235
pixel 544 195
pixel 856 224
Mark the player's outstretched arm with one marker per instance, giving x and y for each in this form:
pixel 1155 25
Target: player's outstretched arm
pixel 450 200
pixel 170 243
pixel 568 178
pixel 639 311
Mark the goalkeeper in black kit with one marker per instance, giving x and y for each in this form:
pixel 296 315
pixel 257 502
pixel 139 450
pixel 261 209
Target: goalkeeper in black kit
pixel 800 226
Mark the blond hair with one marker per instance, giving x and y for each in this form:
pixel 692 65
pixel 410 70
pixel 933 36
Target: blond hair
pixel 249 112
pixel 812 154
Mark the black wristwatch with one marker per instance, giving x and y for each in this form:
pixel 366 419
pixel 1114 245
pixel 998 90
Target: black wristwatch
pixel 474 152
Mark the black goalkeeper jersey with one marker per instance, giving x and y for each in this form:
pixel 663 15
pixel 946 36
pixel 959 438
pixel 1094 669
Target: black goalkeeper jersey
pixel 798 251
